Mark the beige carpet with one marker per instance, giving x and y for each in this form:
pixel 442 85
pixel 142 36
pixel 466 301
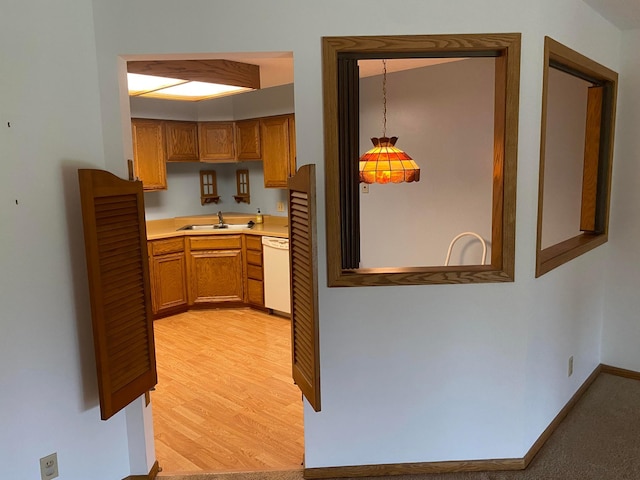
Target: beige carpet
pixel 599 440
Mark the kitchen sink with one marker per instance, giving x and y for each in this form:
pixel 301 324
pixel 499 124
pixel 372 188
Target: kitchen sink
pixel 218 226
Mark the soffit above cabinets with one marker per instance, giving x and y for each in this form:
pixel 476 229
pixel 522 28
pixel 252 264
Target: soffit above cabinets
pixel 191 80
pixel 275 68
pixel 222 71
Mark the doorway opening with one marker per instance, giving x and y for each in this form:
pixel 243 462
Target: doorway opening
pixel 217 420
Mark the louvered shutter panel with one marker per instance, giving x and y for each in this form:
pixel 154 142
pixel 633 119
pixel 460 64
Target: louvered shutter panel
pixel 118 270
pixel 304 290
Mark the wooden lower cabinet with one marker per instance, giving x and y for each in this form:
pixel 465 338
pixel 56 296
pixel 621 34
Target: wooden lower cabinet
pixel 215 269
pixel 205 270
pixel 253 265
pixel 168 276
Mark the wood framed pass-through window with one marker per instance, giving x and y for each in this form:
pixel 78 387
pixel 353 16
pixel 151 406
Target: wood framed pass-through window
pixel 350 115
pixel 576 149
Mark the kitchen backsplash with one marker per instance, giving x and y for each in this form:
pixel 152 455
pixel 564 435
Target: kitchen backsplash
pixel 183 194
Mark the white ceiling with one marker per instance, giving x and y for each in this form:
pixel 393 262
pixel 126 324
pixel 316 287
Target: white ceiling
pixel 624 14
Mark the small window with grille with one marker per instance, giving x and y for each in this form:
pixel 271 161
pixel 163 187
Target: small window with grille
pixel 242 187
pixel 208 187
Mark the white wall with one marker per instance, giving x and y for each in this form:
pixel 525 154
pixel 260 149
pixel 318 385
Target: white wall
pixel 419 373
pixel 564 157
pixel 622 328
pixel 443 117
pixel 182 196
pixel 48 388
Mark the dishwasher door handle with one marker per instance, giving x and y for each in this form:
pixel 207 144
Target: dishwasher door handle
pixel 275 242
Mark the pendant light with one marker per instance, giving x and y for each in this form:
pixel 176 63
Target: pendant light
pixel 386 163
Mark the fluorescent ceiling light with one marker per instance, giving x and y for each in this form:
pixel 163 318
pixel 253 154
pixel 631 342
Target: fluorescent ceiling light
pixel 177 89
pixel 146 83
pixel 196 91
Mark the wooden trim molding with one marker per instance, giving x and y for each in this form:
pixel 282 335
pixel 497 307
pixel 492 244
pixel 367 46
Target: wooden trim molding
pixel 555 423
pixel 620 372
pixel 153 473
pixel 598 155
pixel 339 57
pixel 504 464
pixel 414 468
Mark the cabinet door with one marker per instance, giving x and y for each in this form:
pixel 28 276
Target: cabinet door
pixel 216 141
pixel 168 285
pixel 255 292
pixel 248 140
pixel 181 141
pixel 278 149
pixel 148 153
pixel 215 276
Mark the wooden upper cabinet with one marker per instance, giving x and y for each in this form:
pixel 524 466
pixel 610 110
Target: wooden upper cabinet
pixel 248 139
pixel 181 141
pixel 216 141
pixel 149 153
pixel 278 139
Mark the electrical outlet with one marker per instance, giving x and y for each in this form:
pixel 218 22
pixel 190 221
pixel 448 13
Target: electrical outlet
pixel 570 365
pixel 365 188
pixel 280 206
pixel 49 466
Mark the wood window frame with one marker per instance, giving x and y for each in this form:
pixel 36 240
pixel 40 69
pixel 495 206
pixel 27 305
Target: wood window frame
pixel 341 139
pixel 598 158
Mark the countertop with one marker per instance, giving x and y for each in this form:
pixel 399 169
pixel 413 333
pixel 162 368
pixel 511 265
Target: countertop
pixel 273 226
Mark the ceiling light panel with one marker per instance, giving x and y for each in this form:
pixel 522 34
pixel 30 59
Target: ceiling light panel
pixel 194 91
pixel 138 83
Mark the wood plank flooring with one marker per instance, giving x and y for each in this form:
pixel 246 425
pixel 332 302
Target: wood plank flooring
pixel 225 400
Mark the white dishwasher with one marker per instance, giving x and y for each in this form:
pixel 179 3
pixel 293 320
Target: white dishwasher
pixel 277 285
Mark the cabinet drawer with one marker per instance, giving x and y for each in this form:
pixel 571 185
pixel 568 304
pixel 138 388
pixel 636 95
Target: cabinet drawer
pixel 254 271
pixel 254 242
pixel 220 242
pixel 172 245
pixel 254 258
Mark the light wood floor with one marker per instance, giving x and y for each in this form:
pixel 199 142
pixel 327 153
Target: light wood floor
pixel 225 400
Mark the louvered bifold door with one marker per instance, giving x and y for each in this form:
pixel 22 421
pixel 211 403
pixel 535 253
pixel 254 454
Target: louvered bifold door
pixel 118 270
pixel 304 284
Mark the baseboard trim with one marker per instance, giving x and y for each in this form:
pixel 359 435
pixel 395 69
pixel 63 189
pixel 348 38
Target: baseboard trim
pixel 542 439
pixel 413 468
pixel 469 465
pixel 153 473
pixel 620 372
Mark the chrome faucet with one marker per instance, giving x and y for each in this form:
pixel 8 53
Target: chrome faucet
pixel 220 218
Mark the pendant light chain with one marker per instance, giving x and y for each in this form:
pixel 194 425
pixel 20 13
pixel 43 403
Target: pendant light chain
pixel 386 163
pixel 384 97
